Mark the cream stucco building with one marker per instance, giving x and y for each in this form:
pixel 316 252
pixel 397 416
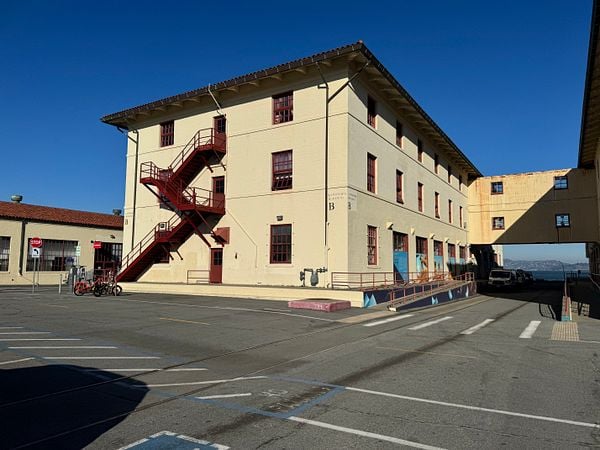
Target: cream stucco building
pixel 68 239
pixel 321 163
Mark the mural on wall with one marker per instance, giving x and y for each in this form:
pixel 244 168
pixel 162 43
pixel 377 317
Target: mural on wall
pixel 438 263
pixel 452 265
pixel 372 298
pixel 400 265
pixel 422 267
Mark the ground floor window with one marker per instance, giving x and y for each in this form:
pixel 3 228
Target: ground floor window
pixel 4 253
pixel 400 242
pixel 55 256
pixel 372 245
pixel 281 244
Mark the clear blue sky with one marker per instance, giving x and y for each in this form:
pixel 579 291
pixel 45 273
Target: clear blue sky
pixel 503 79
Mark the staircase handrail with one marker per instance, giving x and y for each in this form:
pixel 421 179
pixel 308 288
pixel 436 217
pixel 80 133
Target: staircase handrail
pixel 427 288
pixel 204 136
pixel 143 244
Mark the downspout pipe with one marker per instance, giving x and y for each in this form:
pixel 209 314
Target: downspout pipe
pixel 327 101
pixel 22 247
pixel 136 141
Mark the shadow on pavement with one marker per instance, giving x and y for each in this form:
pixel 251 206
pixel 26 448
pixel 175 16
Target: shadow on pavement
pixel 547 294
pixel 50 407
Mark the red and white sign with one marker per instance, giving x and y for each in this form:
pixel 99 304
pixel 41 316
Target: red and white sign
pixel 97 244
pixel 36 242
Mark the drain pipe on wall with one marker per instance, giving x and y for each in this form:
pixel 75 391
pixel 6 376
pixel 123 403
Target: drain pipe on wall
pixel 136 141
pixel 328 100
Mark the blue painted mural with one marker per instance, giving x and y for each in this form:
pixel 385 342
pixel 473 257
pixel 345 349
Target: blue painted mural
pixel 401 265
pixel 375 297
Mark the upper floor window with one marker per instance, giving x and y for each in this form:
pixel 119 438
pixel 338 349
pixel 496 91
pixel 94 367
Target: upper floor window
pixel 563 220
pixel 283 107
pixel 420 196
pixel 167 133
pixel 399 186
pixel 371 168
pixel 399 134
pixel 281 244
pixel 420 150
pixel 371 111
pixel 449 211
pixel 436 163
pixel 437 205
pixel 497 187
pixel 497 223
pixel 460 217
pixel 372 245
pixel 282 170
pixel 449 174
pixel 561 182
pixel 4 253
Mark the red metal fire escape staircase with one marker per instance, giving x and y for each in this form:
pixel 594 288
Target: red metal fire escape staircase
pixel 191 205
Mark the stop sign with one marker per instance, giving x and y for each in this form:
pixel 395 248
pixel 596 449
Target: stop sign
pixel 97 244
pixel 36 242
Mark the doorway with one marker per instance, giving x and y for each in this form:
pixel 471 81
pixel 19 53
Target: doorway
pixel 216 265
pixel 218 192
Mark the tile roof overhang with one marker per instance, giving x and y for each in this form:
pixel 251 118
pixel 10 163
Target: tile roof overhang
pixel 47 214
pixel 590 115
pixel 356 53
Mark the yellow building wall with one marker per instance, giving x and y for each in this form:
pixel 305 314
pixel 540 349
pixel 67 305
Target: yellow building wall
pixel 529 205
pixel 83 235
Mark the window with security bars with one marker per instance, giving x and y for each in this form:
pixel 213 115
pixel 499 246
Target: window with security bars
pixel 283 107
pixel 108 256
pixel 282 170
pixel 55 256
pixel 421 245
pixel 281 244
pixel 462 252
pixel 563 220
pixel 497 223
pixel 561 182
pixel 167 133
pixel 371 112
pixel 4 253
pixel 451 251
pixel 371 245
pixel 399 187
pixel 400 242
pixel 371 169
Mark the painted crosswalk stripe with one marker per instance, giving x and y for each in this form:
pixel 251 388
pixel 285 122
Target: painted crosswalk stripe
pixel 11 328
pixel 38 339
pixel 391 319
pixel 474 328
pixel 146 369
pixel 101 357
pixel 427 324
pixel 25 332
pixel 530 330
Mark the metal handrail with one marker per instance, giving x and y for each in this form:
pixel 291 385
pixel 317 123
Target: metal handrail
pixel 360 280
pixel 198 276
pixel 144 243
pixel 205 136
pixel 441 285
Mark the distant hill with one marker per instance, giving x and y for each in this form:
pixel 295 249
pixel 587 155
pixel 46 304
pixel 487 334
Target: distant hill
pixel 549 265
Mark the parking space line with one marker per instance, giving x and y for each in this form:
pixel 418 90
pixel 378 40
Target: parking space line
pixel 101 357
pixel 391 319
pixel 15 361
pixel 38 339
pixel 427 324
pixel 226 380
pixel 25 332
pixel 477 408
pixel 184 321
pixel 474 328
pixel 11 328
pixel 363 433
pixel 55 306
pixel 48 347
pixel 530 329
pixel 143 370
pixel 211 397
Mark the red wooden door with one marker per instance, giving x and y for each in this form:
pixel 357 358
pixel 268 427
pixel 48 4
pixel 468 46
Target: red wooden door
pixel 218 192
pixel 216 265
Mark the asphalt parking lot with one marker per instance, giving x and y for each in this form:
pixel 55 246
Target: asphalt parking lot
pixel 153 371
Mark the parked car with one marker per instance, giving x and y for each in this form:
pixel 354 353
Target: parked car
pixel 503 278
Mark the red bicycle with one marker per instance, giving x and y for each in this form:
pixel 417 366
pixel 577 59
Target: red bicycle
pixel 86 286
